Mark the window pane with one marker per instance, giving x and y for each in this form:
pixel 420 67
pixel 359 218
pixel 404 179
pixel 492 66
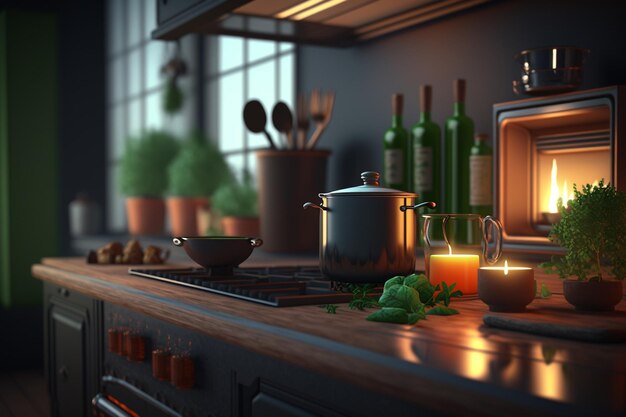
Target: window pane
pixel 231 126
pixel 117 134
pixel 115 24
pixel 286 93
pixel 116 80
pixel 236 163
pixel 115 202
pixel 134 117
pixel 231 52
pixel 258 49
pixel 285 46
pixel 154 112
pixel 134 73
pixel 155 58
pixel 262 86
pixel 133 25
pixel 251 156
pixel 149 16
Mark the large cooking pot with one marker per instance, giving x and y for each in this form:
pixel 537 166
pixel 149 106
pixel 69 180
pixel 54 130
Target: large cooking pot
pixel 368 232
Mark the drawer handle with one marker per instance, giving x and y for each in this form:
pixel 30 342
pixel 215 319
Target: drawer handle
pixel 64 292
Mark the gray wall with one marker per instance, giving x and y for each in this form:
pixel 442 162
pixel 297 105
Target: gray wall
pixel 477 45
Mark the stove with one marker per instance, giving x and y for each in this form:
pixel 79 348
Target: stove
pixel 272 286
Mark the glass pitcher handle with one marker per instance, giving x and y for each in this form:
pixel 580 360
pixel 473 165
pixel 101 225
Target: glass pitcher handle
pixel 497 226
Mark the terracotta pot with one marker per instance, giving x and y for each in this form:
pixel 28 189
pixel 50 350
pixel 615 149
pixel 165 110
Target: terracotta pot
pixel 146 216
pixel 593 295
pixel 241 226
pixel 183 214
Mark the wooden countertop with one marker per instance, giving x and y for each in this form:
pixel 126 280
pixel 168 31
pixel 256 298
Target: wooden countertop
pixel 455 365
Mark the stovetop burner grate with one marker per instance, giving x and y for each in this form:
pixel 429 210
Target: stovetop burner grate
pixel 277 286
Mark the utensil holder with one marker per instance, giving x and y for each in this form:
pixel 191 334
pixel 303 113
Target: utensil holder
pixel 286 179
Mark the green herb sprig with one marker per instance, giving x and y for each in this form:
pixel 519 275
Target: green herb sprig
pixel 361 298
pixel 330 308
pixel 405 299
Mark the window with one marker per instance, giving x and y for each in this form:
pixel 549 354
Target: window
pixel 224 72
pixel 246 69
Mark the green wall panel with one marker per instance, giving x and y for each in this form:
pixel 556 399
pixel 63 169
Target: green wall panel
pixel 28 151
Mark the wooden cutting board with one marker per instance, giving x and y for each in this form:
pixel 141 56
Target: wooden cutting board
pixel 556 318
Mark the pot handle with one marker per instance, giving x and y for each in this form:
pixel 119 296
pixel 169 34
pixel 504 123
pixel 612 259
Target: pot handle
pixel 429 204
pixel 255 242
pixel 320 207
pixel 178 241
pixel 497 231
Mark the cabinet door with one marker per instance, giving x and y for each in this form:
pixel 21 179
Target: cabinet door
pixel 73 350
pixel 68 345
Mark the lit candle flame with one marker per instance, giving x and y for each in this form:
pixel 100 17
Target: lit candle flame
pixel 506 267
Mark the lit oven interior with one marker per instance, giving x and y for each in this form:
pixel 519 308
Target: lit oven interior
pixel 543 156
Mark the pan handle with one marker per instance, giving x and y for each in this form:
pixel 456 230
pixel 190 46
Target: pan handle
pixel 320 207
pixel 255 242
pixel 429 204
pixel 178 241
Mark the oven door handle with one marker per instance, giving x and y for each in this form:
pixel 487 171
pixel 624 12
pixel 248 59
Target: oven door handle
pixel 101 403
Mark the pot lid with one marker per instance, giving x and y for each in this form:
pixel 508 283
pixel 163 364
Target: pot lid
pixel 371 188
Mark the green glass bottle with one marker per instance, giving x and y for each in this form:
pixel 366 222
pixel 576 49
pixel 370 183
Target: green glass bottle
pixel 458 144
pixel 481 168
pixel 426 152
pixel 395 145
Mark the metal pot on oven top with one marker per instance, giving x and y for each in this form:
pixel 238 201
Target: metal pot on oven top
pixel 367 232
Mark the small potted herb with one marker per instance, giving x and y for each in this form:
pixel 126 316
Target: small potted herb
pixel 194 175
pixel 593 231
pixel 237 203
pixel 143 179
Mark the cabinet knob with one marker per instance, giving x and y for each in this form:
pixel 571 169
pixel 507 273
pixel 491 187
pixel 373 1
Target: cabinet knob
pixel 64 372
pixel 64 292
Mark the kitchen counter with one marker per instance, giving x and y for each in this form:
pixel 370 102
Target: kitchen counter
pixel 451 365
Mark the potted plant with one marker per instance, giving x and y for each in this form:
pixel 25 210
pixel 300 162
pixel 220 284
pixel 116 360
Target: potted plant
pixel 593 231
pixel 237 204
pixel 194 175
pixel 143 179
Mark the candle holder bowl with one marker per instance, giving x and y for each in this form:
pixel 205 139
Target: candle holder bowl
pixel 506 293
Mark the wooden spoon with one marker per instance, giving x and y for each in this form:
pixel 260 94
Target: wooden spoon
pixel 283 122
pixel 302 121
pixel 255 119
pixel 323 118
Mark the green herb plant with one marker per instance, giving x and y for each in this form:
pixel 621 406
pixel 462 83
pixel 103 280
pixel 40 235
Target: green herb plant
pixel 592 229
pixel 173 97
pixel 198 170
pixel 237 199
pixel 405 300
pixel 143 167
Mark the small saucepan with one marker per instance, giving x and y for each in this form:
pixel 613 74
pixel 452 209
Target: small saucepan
pixel 550 70
pixel 218 250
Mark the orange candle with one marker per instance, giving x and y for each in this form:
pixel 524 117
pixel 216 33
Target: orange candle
pixel 453 268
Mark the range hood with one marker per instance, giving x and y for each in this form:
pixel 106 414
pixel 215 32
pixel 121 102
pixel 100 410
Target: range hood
pixel 323 22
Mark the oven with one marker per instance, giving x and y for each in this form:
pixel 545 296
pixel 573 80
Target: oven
pixel 544 146
pixel 118 398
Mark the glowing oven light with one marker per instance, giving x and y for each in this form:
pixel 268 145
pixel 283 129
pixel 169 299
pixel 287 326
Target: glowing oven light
pixel 566 195
pixel 554 191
